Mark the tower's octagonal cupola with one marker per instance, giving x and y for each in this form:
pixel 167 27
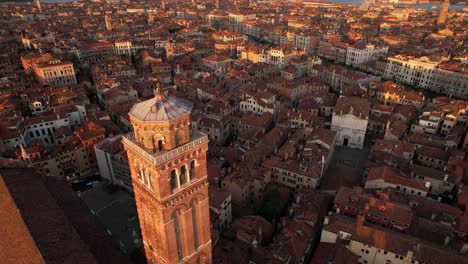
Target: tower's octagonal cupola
pixel 161 123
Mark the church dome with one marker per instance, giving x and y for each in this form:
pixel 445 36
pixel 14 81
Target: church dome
pixel 161 108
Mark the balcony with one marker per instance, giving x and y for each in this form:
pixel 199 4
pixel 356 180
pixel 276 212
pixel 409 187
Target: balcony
pixel 196 139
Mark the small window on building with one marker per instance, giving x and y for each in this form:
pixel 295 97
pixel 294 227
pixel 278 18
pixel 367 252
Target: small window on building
pixel 160 145
pixel 173 180
pixel 192 170
pixel 183 175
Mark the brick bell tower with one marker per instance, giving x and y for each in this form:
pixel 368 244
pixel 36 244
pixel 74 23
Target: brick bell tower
pixel 168 165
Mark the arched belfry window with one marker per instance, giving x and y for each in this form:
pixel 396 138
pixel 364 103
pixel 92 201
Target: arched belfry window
pixel 160 145
pixel 148 176
pixel 183 175
pixel 192 170
pixel 140 173
pixel 173 180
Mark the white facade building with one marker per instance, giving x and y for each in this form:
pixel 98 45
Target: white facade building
pixel 436 73
pixel 236 18
pixel 359 54
pixel 368 254
pixel 429 122
pixel 220 204
pixel 281 56
pixel 411 70
pixel 451 79
pixel 258 105
pixel 36 107
pixel 379 246
pixel 124 48
pixel 302 42
pixel 350 120
pixel 55 73
pixel 113 163
pixel 41 128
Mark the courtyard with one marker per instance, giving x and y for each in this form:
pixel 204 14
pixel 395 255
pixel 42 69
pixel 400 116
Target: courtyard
pixel 346 168
pixel 116 210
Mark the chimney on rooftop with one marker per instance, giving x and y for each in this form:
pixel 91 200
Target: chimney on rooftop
pixel 38 5
pixel 108 23
pixel 260 234
pixel 428 184
pixel 409 255
pixel 361 217
pixel 447 240
pixel 464 249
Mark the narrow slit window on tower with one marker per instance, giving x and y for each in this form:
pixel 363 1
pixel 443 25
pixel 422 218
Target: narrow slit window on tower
pixel 177 234
pixel 140 174
pixel 173 180
pixel 160 145
pixel 192 170
pixel 183 175
pixel 177 138
pixel 195 226
pixel 149 180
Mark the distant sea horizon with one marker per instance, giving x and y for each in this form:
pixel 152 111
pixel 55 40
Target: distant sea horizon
pixel 422 6
pixel 345 2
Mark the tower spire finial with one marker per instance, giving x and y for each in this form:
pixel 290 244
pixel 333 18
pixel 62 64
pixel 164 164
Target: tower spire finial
pixel 159 95
pixel 158 86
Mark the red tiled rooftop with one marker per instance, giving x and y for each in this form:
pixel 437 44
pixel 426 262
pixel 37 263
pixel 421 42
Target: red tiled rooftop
pixel 353 105
pixel 333 253
pixel 15 235
pixel 217 197
pixel 44 219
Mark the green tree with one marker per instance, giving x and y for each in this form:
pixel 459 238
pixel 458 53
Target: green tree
pixel 273 204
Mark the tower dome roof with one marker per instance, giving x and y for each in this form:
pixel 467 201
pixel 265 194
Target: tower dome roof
pixel 160 108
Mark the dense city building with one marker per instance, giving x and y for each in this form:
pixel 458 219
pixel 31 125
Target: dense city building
pixel 234 131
